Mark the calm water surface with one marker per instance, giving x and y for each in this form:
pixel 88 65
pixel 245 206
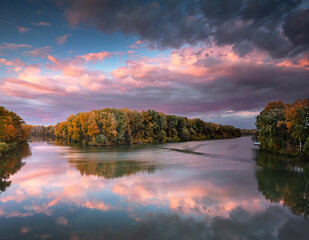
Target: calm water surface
pixel 219 189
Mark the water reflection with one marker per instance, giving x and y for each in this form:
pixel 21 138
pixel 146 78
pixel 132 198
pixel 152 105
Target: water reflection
pixel 151 192
pixel 109 170
pixel 284 180
pixel 12 163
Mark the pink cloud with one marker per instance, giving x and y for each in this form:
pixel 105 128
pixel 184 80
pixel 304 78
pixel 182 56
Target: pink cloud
pixel 13 46
pixel 139 42
pixel 63 77
pixel 14 84
pixel 192 65
pixel 136 44
pixel 15 63
pixel 53 59
pixel 187 81
pixel 23 29
pixel 97 205
pixel 133 46
pixel 62 39
pixel 94 57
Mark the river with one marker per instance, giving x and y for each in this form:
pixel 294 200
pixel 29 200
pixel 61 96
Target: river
pixel 216 189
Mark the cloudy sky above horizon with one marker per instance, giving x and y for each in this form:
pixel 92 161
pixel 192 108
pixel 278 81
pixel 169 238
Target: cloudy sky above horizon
pixel 218 60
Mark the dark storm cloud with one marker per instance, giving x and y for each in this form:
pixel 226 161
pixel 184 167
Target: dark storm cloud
pixel 163 24
pixel 296 27
pixel 268 9
pixel 220 10
pixel 171 23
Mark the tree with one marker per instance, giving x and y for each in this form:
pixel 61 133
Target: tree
pixel 282 126
pixel 297 120
pixel 12 127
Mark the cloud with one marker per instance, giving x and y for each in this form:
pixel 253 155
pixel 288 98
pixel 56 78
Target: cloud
pixel 208 81
pixel 41 24
pixel 14 46
pixel 94 57
pixel 62 221
pixel 213 79
pixel 23 29
pixel 15 65
pixel 42 52
pixel 296 27
pixel 263 24
pixel 55 78
pixel 62 39
pixel 137 44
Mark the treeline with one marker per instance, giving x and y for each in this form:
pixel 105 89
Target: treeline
pixel 13 130
pixel 248 132
pixel 284 128
pixel 42 131
pixel 111 126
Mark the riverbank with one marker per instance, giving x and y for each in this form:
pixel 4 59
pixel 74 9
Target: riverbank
pixel 5 148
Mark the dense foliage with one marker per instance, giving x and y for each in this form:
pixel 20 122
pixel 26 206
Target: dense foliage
pixel 12 129
pixel 284 128
pixel 114 126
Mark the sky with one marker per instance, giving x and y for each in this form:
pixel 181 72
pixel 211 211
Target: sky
pixel 218 60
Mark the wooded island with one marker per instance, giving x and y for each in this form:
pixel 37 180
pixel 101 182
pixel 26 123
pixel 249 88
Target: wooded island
pixel 111 126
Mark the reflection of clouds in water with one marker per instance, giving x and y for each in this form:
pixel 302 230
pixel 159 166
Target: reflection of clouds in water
pixel 196 199
pixel 271 223
pixel 41 193
pixel 25 230
pixel 197 196
pixel 62 221
pixel 184 190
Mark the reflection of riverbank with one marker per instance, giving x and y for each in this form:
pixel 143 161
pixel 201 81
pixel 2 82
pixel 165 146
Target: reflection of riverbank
pixel 115 169
pixel 12 163
pixel 284 180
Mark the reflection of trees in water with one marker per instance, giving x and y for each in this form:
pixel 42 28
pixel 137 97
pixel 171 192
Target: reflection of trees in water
pixel 114 169
pixel 280 179
pixel 11 163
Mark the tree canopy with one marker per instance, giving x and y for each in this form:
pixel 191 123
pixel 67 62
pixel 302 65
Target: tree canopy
pixel 111 126
pixel 12 129
pixel 284 127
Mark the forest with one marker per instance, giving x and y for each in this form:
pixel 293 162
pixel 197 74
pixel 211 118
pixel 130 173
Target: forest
pixel 284 128
pixel 111 126
pixel 13 130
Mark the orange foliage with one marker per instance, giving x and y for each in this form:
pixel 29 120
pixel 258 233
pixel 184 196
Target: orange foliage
pixel 275 105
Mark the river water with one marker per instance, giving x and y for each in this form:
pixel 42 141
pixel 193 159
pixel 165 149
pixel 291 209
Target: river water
pixel 216 189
